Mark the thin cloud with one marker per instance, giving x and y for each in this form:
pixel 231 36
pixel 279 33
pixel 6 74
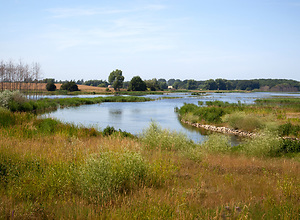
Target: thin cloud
pixel 75 12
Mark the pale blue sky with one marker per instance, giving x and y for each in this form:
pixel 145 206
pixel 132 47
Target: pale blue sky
pixel 185 39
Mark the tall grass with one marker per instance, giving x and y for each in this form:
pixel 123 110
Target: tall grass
pixel 65 172
pixel 103 176
pixel 157 138
pixel 243 121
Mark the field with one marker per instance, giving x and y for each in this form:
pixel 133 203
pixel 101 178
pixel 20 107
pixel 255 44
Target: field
pixel 42 87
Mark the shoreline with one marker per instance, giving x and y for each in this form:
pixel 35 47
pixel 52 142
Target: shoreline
pixel 223 130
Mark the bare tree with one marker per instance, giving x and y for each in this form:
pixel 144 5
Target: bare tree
pixel 19 76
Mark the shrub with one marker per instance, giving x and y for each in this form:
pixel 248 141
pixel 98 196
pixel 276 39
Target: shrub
pixel 289 129
pixel 69 86
pixel 217 143
pixel 8 98
pixel 50 86
pixel 156 137
pixel 104 176
pixel 242 121
pixel 210 114
pixel 265 144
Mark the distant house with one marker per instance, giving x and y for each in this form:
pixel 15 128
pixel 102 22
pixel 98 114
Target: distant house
pixel 170 87
pixel 109 86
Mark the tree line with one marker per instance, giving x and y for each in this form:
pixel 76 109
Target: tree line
pixel 22 76
pixel 138 84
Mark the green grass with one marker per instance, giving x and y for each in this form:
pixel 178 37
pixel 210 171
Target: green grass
pixel 53 170
pixel 47 104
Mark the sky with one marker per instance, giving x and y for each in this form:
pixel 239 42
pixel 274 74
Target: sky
pixel 180 39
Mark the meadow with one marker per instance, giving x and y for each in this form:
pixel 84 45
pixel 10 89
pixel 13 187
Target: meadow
pixel 54 170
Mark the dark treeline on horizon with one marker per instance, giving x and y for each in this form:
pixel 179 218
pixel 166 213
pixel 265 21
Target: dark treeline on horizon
pixel 281 85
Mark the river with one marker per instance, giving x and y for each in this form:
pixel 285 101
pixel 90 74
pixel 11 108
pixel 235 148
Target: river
pixel 135 117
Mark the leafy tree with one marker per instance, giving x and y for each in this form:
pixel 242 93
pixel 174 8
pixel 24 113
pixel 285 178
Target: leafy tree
pixel 248 84
pixel 210 84
pixel 162 84
pixel 116 79
pixel 192 84
pixel 171 82
pixel 221 84
pixel 152 84
pixel 69 86
pixel 51 86
pixel 99 83
pixel 137 84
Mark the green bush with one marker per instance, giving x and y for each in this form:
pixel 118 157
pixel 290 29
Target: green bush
pixel 266 144
pixel 104 176
pixel 155 137
pixel 289 129
pixel 242 121
pixel 217 143
pixel 210 114
pixel 288 146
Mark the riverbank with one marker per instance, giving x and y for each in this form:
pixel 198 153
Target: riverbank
pixel 223 130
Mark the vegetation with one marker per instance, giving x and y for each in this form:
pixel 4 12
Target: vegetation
pixel 51 86
pixel 116 79
pixel 278 114
pixel 53 170
pixel 16 102
pixel 69 86
pixel 137 84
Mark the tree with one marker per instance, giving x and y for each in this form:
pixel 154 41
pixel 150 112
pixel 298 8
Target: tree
pixel 221 84
pixel 192 84
pixel 51 86
pixel 116 79
pixel 171 82
pixel 210 84
pixel 137 84
pixel 69 86
pixel 152 84
pixel 162 84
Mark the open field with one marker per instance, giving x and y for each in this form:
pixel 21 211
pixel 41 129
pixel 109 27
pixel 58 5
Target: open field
pixel 42 87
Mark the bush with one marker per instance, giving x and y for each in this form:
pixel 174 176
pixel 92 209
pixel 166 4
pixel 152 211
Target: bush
pixel 50 86
pixel 241 121
pixel 157 138
pixel 289 129
pixel 6 118
pixel 8 98
pixel 217 143
pixel 210 114
pixel 104 176
pixel 264 145
pixel 69 86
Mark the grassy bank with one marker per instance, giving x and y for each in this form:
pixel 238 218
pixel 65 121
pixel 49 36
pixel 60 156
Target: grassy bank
pixel 16 102
pixel 51 170
pixel 278 115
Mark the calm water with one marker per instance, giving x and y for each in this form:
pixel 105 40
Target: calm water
pixel 134 117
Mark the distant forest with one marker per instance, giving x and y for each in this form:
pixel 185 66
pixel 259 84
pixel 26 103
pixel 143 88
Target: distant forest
pixel 273 85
